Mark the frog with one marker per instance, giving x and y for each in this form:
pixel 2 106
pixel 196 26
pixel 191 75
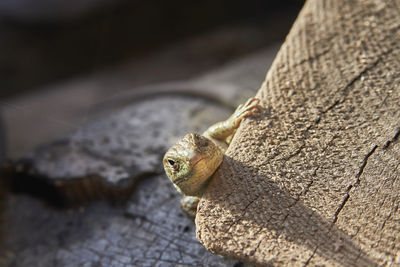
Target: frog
pixel 191 163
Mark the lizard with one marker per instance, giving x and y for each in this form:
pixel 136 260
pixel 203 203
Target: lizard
pixel 192 161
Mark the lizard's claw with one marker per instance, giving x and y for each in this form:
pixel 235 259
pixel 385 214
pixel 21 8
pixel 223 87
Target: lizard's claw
pixel 251 107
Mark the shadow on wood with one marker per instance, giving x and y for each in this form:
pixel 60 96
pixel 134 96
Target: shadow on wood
pixel 283 217
pixel 315 181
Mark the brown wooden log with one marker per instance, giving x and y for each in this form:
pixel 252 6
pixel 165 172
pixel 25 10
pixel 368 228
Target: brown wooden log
pixel 315 181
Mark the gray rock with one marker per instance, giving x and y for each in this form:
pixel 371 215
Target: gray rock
pixel 148 230
pixel 107 158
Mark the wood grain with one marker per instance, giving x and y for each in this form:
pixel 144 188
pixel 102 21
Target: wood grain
pixel 315 180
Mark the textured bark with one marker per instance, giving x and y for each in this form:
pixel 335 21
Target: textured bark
pixel 315 181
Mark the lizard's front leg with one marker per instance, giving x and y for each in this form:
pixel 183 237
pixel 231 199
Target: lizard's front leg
pixel 224 130
pixel 192 161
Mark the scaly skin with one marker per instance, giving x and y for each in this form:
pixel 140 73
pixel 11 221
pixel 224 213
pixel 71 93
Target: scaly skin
pixel 193 160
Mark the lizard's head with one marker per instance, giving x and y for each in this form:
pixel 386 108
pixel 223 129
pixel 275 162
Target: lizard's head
pixel 191 162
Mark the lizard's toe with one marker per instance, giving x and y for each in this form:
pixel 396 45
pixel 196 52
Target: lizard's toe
pixel 252 107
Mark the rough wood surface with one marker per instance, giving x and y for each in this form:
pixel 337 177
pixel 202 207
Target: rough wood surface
pixel 316 180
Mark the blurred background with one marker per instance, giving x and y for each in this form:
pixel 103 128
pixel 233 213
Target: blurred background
pixel 84 66
pixel 59 59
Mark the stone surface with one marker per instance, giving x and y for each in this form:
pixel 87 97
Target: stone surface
pixel 150 231
pixel 105 159
pixel 315 181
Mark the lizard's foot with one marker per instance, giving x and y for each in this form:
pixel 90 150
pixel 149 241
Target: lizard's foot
pixel 251 107
pixel 189 206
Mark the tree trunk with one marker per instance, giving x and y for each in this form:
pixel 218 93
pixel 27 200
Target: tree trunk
pixel 315 180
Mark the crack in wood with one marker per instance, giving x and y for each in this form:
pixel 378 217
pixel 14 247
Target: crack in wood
pixel 259 243
pixel 365 161
pixel 342 204
pixel 347 196
pixel 311 256
pixel 355 79
pixel 310 60
pixel 356 183
pixel 337 102
pixel 393 140
pixel 243 213
pixel 392 211
pixel 330 131
pixel 373 65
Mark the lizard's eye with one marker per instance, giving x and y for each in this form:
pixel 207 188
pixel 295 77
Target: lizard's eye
pixel 173 164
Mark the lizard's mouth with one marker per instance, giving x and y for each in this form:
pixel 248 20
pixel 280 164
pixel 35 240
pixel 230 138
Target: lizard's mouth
pixel 179 181
pixel 197 161
pixel 183 179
